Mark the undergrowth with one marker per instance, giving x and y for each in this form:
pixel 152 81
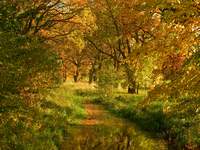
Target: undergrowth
pixel 179 127
pixel 42 126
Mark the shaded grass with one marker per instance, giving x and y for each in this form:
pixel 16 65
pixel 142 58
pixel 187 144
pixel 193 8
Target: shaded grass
pixel 149 118
pixel 66 97
pixel 42 126
pixel 180 127
pixel 30 128
pixel 46 125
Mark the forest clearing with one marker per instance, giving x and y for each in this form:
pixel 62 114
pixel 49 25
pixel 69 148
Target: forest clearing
pixel 99 75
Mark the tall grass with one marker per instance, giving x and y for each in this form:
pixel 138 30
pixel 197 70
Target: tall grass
pixel 45 125
pixel 179 128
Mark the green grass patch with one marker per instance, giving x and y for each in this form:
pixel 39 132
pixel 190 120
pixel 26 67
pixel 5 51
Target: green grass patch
pixel 44 125
pixel 179 125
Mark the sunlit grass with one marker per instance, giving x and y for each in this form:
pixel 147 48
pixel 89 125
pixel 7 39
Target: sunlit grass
pixel 49 122
pixel 68 96
pixel 45 125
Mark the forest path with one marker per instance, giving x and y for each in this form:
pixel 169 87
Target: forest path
pixel 101 130
pixel 97 115
pixel 94 115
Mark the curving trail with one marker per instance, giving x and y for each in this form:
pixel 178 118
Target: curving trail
pixel 94 115
pixel 104 131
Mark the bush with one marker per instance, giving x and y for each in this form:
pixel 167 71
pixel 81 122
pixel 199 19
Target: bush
pixel 107 81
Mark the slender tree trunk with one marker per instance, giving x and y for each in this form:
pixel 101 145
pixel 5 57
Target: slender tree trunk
pixel 92 75
pixel 132 87
pixel 64 72
pixel 131 80
pixel 76 75
pixel 138 85
pixel 76 78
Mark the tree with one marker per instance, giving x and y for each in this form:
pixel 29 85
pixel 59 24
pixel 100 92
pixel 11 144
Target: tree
pixel 29 62
pixel 121 39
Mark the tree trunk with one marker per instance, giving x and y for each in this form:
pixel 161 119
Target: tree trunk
pixel 137 91
pixel 64 73
pixel 92 75
pixel 75 78
pixel 132 87
pixel 76 75
pixel 131 80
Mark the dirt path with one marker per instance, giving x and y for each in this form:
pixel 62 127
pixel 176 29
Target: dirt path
pixel 97 115
pixel 103 131
pixel 94 115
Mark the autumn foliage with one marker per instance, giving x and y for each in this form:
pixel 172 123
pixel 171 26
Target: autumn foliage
pixel 138 45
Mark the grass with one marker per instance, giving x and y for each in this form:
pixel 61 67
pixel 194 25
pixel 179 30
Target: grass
pixel 44 125
pixel 180 127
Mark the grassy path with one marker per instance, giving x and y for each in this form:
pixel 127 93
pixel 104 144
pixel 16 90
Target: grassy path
pixel 94 115
pixel 100 130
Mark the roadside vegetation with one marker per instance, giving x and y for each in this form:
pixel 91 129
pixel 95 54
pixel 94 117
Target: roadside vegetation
pixel 43 126
pixel 176 120
pixel 179 129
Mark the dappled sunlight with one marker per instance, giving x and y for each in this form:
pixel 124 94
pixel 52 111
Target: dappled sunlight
pixel 79 85
pixel 99 74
